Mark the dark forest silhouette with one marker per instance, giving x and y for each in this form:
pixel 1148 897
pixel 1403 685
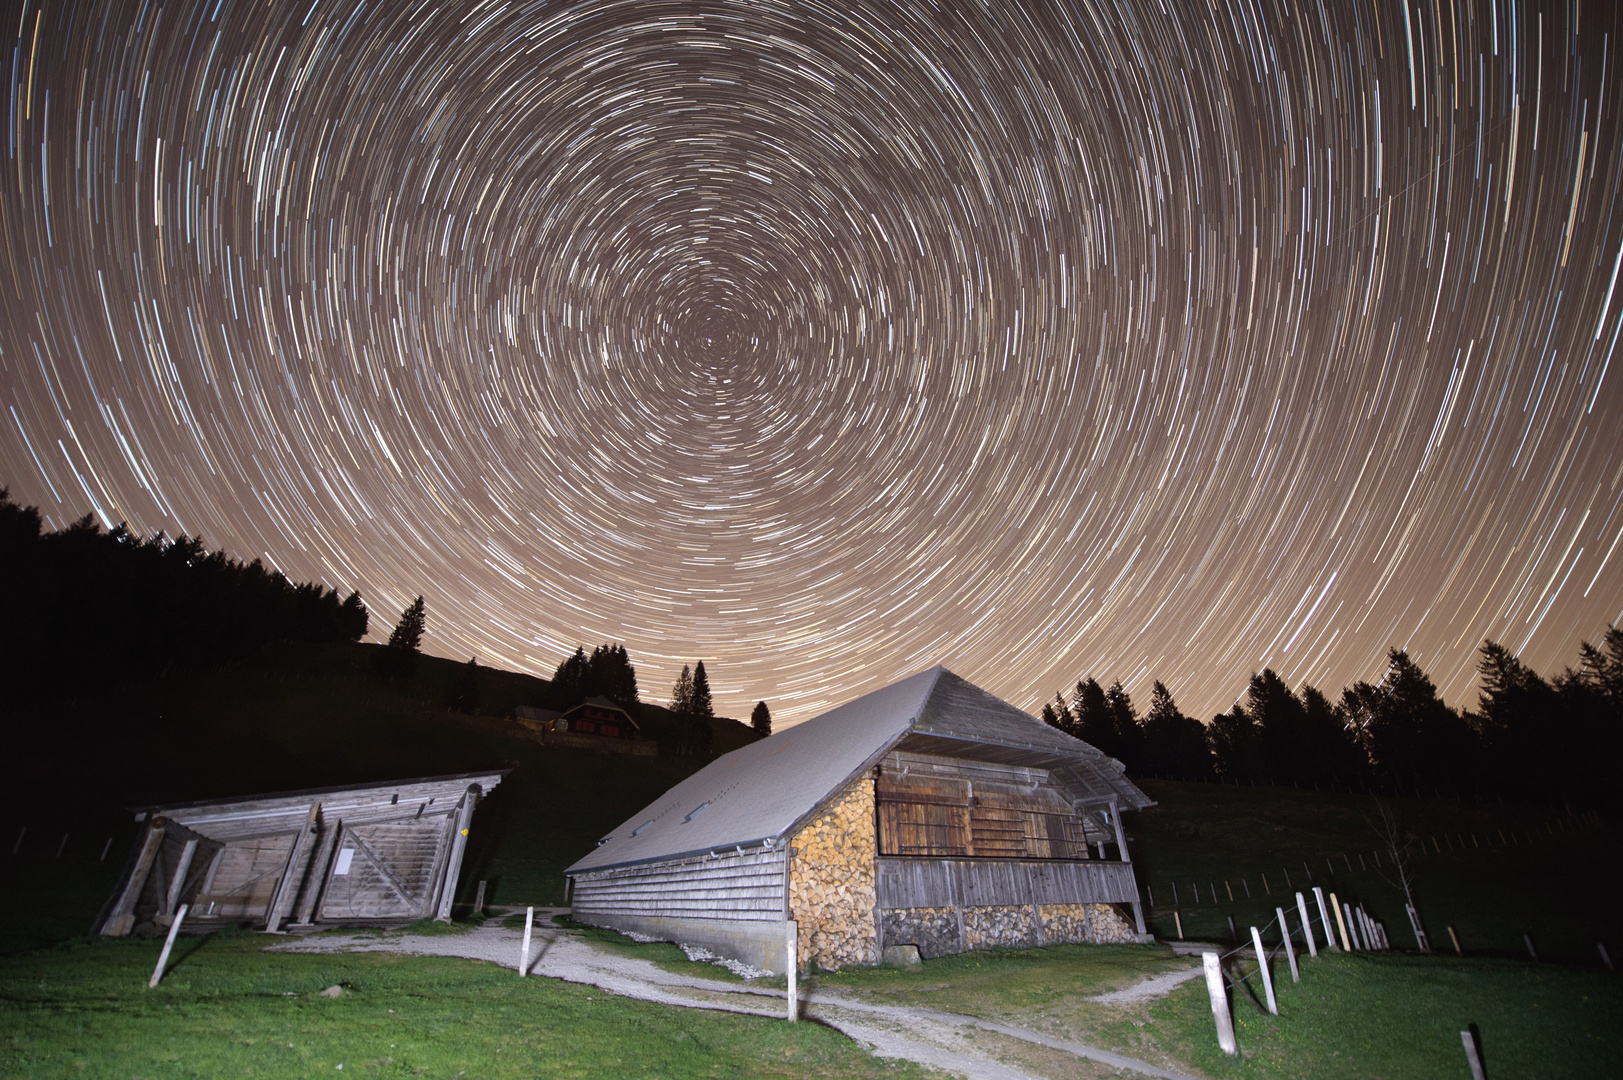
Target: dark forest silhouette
pixel 1528 738
pixel 87 609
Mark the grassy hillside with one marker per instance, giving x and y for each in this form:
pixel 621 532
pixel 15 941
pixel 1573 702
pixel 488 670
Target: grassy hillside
pixel 301 716
pixel 1503 871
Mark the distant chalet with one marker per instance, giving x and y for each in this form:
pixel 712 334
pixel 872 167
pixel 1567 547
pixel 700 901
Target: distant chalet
pixel 595 724
pixel 928 813
pixel 387 852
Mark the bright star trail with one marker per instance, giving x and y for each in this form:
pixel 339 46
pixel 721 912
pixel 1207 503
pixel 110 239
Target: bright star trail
pixel 826 342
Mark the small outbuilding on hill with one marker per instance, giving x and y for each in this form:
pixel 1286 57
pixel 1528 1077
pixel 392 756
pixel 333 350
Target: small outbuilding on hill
pixel 928 813
pixel 385 852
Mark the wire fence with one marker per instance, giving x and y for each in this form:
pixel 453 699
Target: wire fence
pixel 1431 845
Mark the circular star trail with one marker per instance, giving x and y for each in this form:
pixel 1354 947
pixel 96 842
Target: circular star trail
pixel 826 342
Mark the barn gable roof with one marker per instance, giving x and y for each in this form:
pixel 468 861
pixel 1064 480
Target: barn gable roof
pixel 763 791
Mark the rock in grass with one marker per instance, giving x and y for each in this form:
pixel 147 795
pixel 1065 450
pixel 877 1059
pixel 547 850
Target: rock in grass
pixel 901 955
pixel 333 991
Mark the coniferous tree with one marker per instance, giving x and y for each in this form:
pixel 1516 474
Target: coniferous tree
pixel 569 680
pixel 1092 720
pixel 1124 728
pixel 1174 744
pixel 1237 750
pixel 408 632
pixel 1410 736
pixel 1332 755
pixel 399 658
pixel 352 618
pixel 690 701
pixel 682 692
pixel 609 673
pixel 1058 715
pixel 1516 716
pixel 702 705
pixel 761 719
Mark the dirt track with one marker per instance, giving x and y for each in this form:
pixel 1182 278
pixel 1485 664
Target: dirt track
pixel 940 1040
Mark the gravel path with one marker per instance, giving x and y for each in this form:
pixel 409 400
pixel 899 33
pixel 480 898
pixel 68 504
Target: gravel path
pixel 1154 986
pixel 940 1040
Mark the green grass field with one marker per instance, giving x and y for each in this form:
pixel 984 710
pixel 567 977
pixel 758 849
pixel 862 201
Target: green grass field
pixel 228 1009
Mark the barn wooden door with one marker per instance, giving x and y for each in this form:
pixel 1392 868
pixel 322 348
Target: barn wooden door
pixel 383 870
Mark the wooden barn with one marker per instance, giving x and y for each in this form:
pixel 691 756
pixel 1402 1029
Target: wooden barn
pixel 372 853
pixel 928 813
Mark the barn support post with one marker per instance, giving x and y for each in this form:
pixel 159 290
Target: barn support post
pixel 316 879
pixel 289 885
pixel 1121 834
pixel 122 919
pixel 171 896
pixel 459 842
pixel 791 946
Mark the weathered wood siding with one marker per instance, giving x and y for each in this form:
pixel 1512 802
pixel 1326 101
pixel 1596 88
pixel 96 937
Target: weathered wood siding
pixel 390 871
pixel 747 886
pixel 243 877
pixel 938 807
pixel 944 883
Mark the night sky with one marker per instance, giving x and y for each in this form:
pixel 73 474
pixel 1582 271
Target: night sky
pixel 825 342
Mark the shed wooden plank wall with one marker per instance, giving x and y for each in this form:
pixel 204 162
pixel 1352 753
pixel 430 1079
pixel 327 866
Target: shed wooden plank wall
pixel 939 807
pixel 746 886
pixel 939 883
pixel 390 873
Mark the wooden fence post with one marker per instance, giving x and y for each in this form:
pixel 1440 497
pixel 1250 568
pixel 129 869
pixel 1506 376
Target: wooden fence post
pixel 1290 950
pixel 1179 920
pixel 479 898
pixel 1307 926
pixel 1262 966
pixel 1220 1004
pixel 1324 919
pixel 1349 921
pixel 1335 906
pixel 168 943
pixel 524 953
pixel 1473 1055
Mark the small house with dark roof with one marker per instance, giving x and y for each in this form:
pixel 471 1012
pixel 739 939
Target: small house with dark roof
pixel 927 813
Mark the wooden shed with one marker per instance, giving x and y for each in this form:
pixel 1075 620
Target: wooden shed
pixel 928 813
pixel 383 852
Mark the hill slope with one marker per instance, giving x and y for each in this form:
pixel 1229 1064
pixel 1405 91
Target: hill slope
pixel 300 716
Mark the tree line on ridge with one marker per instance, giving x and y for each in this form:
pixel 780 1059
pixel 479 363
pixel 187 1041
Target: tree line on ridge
pixel 1528 737
pixel 87 608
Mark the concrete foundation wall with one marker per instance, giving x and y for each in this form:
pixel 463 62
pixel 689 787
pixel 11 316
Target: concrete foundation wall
pixel 762 945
